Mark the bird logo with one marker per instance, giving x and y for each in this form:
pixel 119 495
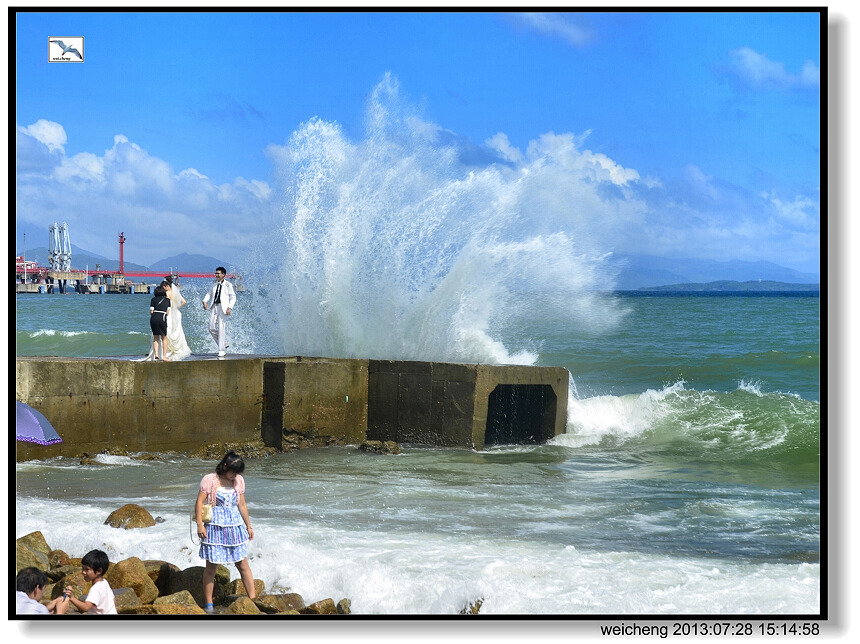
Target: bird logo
pixel 67 49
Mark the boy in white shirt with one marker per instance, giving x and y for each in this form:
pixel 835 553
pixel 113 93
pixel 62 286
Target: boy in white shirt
pixel 100 600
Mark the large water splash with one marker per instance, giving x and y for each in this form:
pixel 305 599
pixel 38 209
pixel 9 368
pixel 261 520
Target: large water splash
pixel 394 247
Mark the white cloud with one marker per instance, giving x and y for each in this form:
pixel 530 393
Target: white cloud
pixel 556 184
pixel 192 172
pixel 162 213
pixel 757 71
pixel 85 166
pixel 615 172
pixel 801 212
pixel 259 188
pixel 699 181
pixel 560 25
pixel 810 74
pixel 564 150
pixel 53 135
pixel 501 144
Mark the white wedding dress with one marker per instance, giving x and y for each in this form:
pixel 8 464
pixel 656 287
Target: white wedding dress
pixel 177 347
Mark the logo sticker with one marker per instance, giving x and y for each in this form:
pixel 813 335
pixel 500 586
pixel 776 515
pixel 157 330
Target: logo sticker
pixel 69 49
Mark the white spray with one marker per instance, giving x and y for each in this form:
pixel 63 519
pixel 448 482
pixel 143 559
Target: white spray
pixel 393 247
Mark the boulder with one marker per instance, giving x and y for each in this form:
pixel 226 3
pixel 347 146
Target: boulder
pixel 56 574
pixel 191 579
pixel 322 607
pixel 246 449
pixel 58 559
pixel 162 609
pixel 130 516
pixel 80 587
pixel 35 541
pixel 131 573
pixel 294 601
pixel 25 557
pixel 380 447
pixel 291 441
pixel 160 573
pixel 182 598
pixel 242 606
pixel 115 451
pixel 125 598
pixel 237 587
pixel 473 608
pixel 270 604
pixel 280 603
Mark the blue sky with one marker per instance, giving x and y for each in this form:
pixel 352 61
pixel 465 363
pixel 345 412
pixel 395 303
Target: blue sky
pixel 706 125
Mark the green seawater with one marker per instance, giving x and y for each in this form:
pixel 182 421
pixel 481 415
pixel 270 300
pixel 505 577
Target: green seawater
pixel 688 480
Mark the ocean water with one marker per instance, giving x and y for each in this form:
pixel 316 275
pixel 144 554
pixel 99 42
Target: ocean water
pixel 688 478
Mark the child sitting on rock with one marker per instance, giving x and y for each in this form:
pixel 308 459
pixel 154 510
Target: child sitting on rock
pixel 30 586
pixel 99 601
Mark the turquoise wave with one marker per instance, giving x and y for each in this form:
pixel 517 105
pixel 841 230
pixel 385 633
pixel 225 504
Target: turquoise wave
pixel 752 434
pixel 742 425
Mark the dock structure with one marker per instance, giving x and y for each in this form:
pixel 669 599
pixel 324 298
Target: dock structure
pixel 99 282
pixel 60 277
pixel 115 403
pixel 81 286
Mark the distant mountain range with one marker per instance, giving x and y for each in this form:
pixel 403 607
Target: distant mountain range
pixel 180 263
pixel 731 286
pixel 189 264
pixel 638 271
pixel 633 271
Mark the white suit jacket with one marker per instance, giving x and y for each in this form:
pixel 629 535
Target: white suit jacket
pixel 228 295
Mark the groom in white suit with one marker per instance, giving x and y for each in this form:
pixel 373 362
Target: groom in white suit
pixel 223 300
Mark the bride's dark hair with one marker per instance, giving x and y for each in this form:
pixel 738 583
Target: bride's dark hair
pixel 231 462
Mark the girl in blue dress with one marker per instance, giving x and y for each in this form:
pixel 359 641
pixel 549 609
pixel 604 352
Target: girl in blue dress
pixel 225 539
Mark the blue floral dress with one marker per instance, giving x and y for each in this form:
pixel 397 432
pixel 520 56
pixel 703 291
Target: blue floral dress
pixel 226 536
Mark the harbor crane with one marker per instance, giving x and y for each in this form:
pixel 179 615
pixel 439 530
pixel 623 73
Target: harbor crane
pixel 60 248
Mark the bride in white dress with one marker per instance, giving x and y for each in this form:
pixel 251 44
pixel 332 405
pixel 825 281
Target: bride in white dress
pixel 177 347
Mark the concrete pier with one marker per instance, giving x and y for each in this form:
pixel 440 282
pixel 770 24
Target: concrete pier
pixel 102 403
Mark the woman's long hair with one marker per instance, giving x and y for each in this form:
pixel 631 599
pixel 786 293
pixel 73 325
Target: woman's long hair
pixel 231 462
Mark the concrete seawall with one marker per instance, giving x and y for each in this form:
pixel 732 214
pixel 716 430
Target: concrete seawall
pixel 103 403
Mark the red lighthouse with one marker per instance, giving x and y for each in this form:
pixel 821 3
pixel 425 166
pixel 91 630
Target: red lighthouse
pixel 121 242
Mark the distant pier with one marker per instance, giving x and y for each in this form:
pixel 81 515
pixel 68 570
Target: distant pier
pixel 46 281
pixel 63 282
pixel 60 277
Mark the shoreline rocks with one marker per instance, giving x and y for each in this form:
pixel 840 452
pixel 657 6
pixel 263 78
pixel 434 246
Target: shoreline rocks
pixel 154 587
pixel 245 449
pixel 129 517
pixel 380 447
pixel 292 441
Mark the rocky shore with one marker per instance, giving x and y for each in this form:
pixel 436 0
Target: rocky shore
pixel 152 587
